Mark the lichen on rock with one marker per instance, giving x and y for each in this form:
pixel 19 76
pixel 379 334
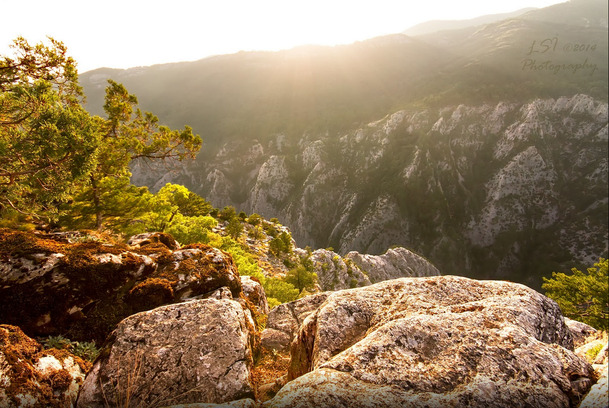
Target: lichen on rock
pixel 33 377
pixel 436 341
pixel 196 351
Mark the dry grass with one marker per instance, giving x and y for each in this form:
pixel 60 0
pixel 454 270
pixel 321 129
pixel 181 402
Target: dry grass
pixel 271 366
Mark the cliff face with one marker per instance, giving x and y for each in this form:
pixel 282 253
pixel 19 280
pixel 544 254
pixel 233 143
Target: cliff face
pixel 491 191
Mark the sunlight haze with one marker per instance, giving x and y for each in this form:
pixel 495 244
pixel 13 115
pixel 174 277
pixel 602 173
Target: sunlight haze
pixel 123 34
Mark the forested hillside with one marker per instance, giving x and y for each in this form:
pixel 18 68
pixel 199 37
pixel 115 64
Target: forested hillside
pixel 411 141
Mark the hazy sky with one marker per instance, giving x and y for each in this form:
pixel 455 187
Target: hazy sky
pixel 128 33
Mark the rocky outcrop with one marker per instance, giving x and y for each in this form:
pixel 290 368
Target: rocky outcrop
pixel 355 270
pixel 598 395
pixel 244 403
pixel 436 341
pixel 335 272
pixel 49 285
pixel 594 349
pixel 580 331
pixel 196 351
pixel 254 292
pixel 33 377
pixel 285 319
pixel 395 263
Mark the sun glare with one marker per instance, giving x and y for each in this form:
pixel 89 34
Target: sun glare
pixel 124 34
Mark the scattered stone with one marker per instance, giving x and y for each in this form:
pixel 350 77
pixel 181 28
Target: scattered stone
pixel 196 351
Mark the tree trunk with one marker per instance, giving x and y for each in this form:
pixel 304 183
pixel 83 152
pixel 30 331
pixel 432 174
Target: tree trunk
pixel 99 217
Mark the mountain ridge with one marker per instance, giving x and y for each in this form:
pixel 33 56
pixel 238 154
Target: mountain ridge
pixel 296 135
pixel 433 26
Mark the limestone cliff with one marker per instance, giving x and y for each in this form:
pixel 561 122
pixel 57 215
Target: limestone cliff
pixel 503 190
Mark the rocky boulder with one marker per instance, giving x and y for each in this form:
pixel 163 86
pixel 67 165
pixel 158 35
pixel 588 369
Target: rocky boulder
pixel 254 292
pixel 243 403
pixel 33 377
pixel 594 349
pixel 197 351
pixel 285 319
pixel 51 285
pixel 153 238
pixel 436 342
pixel 598 395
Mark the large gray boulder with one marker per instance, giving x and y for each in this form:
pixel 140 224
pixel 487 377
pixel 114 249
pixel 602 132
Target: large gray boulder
pixel 436 342
pixel 285 319
pixel 580 331
pixel 254 292
pixel 198 351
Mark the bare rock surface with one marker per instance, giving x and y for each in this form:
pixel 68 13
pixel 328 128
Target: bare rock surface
pixel 285 319
pixel 393 264
pixel 243 403
pixel 580 331
pixel 254 292
pixel 435 342
pixel 598 397
pixel 33 377
pixel 192 352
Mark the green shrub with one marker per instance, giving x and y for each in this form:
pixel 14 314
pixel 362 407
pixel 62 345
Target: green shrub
pixel 301 278
pixel 281 244
pixel 83 349
pixel 190 230
pixel 280 290
pixel 582 296
pixel 254 219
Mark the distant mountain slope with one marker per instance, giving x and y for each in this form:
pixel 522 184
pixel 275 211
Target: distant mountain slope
pixel 509 191
pixel 491 159
pixel 443 25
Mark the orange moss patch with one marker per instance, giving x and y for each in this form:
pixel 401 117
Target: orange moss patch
pixel 83 299
pixel 21 353
pixel 60 380
pixel 150 293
